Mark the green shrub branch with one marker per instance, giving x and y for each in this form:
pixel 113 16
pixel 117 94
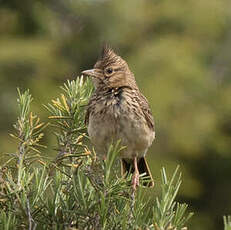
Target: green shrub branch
pixel 77 190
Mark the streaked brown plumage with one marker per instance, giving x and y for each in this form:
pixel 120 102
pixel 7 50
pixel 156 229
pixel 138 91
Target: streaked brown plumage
pixel 118 110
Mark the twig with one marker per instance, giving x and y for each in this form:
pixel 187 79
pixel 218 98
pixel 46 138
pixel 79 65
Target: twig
pixel 131 216
pixel 31 221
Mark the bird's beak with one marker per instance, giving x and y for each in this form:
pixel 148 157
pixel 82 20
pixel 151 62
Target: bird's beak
pixel 97 73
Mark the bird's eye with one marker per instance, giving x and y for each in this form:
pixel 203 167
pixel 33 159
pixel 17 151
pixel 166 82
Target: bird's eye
pixel 109 71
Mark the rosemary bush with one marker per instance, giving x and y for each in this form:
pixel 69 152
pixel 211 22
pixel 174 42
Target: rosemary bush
pixel 76 190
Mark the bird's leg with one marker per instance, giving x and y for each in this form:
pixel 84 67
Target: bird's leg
pixel 135 178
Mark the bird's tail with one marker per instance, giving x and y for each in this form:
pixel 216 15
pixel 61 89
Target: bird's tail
pixel 128 167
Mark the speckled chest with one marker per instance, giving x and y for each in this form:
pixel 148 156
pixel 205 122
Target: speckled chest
pixel 116 115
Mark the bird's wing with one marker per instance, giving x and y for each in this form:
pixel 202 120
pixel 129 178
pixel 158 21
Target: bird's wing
pixel 143 102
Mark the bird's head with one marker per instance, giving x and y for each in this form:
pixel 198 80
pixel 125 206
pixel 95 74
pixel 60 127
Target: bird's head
pixel 111 71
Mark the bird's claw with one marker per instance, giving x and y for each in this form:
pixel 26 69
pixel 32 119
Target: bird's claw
pixel 135 181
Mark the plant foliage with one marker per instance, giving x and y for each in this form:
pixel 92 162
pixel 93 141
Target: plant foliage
pixel 227 222
pixel 76 190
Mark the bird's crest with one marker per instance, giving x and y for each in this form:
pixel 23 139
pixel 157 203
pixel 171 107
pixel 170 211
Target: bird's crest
pixel 107 51
pixel 108 56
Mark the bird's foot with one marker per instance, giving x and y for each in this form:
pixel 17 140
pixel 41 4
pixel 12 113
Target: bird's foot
pixel 135 181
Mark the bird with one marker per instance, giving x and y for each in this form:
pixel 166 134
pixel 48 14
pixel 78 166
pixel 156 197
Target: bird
pixel 117 110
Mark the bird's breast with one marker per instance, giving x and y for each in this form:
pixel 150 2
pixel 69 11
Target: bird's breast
pixel 119 118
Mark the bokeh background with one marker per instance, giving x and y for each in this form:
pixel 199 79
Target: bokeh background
pixel 180 52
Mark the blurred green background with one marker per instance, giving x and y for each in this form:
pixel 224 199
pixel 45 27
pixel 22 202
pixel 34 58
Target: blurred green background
pixel 180 52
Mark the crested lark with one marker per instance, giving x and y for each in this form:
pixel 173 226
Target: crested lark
pixel 118 111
